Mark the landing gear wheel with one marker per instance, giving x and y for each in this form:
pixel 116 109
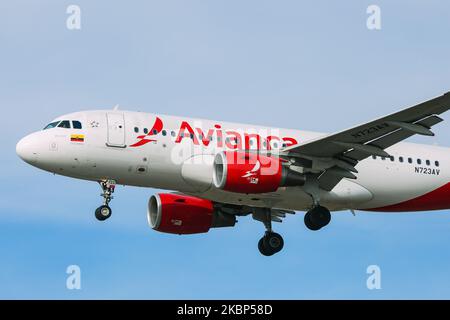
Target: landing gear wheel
pixel 273 241
pixel 320 216
pixel 270 244
pixel 317 218
pixel 262 248
pixel 103 212
pixel 309 224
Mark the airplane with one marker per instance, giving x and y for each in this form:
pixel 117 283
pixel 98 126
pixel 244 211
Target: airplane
pixel 219 171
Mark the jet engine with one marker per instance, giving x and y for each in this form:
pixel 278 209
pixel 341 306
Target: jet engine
pixel 181 214
pixel 244 172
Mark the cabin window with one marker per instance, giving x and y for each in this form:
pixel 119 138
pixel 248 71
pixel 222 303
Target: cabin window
pixel 172 133
pixel 155 131
pixel 392 158
pixel 374 157
pixel 427 162
pixel 164 133
pixel 145 130
pixel 64 124
pixel 410 160
pixel 136 129
pixel 436 163
pixel 77 125
pixel 400 159
pixel 419 161
pixel 383 158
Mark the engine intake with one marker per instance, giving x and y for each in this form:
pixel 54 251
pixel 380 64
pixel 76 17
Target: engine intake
pixel 181 214
pixel 243 172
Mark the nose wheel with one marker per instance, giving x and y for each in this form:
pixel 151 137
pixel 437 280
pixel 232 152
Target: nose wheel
pixel 104 212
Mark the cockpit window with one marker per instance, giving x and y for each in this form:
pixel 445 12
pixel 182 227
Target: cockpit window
pixel 77 125
pixel 64 124
pixel 52 125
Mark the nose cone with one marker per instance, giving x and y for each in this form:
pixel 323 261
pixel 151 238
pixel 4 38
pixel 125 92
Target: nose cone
pixel 26 149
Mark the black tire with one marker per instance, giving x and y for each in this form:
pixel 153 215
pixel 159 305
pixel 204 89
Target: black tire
pixel 273 242
pixel 262 248
pixel 103 212
pixel 309 224
pixel 320 216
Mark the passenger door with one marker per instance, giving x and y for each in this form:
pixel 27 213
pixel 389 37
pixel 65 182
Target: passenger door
pixel 116 130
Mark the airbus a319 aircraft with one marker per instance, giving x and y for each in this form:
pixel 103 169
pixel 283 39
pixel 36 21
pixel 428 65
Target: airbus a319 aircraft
pixel 220 171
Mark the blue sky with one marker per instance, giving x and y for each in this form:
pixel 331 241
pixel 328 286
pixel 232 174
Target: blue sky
pixel 309 65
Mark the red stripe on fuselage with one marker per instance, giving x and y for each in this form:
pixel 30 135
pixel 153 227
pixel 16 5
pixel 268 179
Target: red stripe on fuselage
pixel 435 200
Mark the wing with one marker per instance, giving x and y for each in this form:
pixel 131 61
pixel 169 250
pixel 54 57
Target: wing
pixel 334 156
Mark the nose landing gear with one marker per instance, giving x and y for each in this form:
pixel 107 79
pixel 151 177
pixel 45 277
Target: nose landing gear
pixel 104 212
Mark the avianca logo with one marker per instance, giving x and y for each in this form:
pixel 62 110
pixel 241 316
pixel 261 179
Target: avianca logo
pixel 251 175
pixel 144 139
pixel 254 171
pixel 231 139
pixel 228 139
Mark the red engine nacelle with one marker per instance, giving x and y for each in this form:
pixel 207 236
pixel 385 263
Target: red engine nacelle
pixel 252 173
pixel 180 214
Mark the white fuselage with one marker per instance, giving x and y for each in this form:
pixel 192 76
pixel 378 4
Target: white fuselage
pixel 121 145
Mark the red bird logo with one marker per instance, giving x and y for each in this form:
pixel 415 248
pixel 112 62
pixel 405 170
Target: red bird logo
pixel 252 175
pixel 143 139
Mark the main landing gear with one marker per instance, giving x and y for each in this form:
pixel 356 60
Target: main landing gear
pixel 271 242
pixel 317 218
pixel 104 212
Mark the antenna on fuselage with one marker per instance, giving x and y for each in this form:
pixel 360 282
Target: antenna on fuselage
pixel 116 107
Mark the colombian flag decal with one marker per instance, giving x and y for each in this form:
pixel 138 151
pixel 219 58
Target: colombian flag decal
pixel 77 138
